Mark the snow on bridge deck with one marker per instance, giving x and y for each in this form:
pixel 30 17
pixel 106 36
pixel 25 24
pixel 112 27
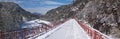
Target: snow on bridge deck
pixel 68 30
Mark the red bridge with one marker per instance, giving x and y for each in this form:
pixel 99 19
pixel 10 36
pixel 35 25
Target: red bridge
pixel 66 29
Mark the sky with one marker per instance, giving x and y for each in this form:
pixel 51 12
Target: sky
pixel 39 6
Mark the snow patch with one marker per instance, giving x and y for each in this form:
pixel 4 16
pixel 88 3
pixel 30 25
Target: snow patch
pixel 34 23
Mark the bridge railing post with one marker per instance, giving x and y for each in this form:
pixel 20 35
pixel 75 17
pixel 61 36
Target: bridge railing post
pixel 0 34
pixel 95 35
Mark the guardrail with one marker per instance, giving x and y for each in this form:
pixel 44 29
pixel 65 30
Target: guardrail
pixel 94 34
pixel 27 33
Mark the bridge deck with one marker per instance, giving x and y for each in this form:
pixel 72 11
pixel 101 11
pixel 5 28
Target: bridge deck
pixel 69 30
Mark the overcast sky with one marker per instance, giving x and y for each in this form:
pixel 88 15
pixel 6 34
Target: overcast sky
pixel 39 6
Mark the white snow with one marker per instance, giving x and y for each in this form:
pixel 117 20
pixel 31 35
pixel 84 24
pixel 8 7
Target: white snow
pixel 39 21
pixel 34 23
pixel 74 9
pixel 57 12
pixel 68 30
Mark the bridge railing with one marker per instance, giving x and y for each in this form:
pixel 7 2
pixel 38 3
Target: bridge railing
pixel 93 33
pixel 27 33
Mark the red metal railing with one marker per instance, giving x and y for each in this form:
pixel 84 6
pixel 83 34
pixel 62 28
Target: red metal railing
pixel 92 32
pixel 27 33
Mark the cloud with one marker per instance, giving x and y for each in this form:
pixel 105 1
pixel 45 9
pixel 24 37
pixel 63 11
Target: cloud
pixel 53 2
pixel 6 0
pixel 18 1
pixel 41 10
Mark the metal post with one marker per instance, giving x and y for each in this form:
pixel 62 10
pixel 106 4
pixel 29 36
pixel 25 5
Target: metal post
pixel 0 34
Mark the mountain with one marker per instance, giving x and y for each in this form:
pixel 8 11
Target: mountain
pixel 103 15
pixel 65 11
pixel 37 14
pixel 12 15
